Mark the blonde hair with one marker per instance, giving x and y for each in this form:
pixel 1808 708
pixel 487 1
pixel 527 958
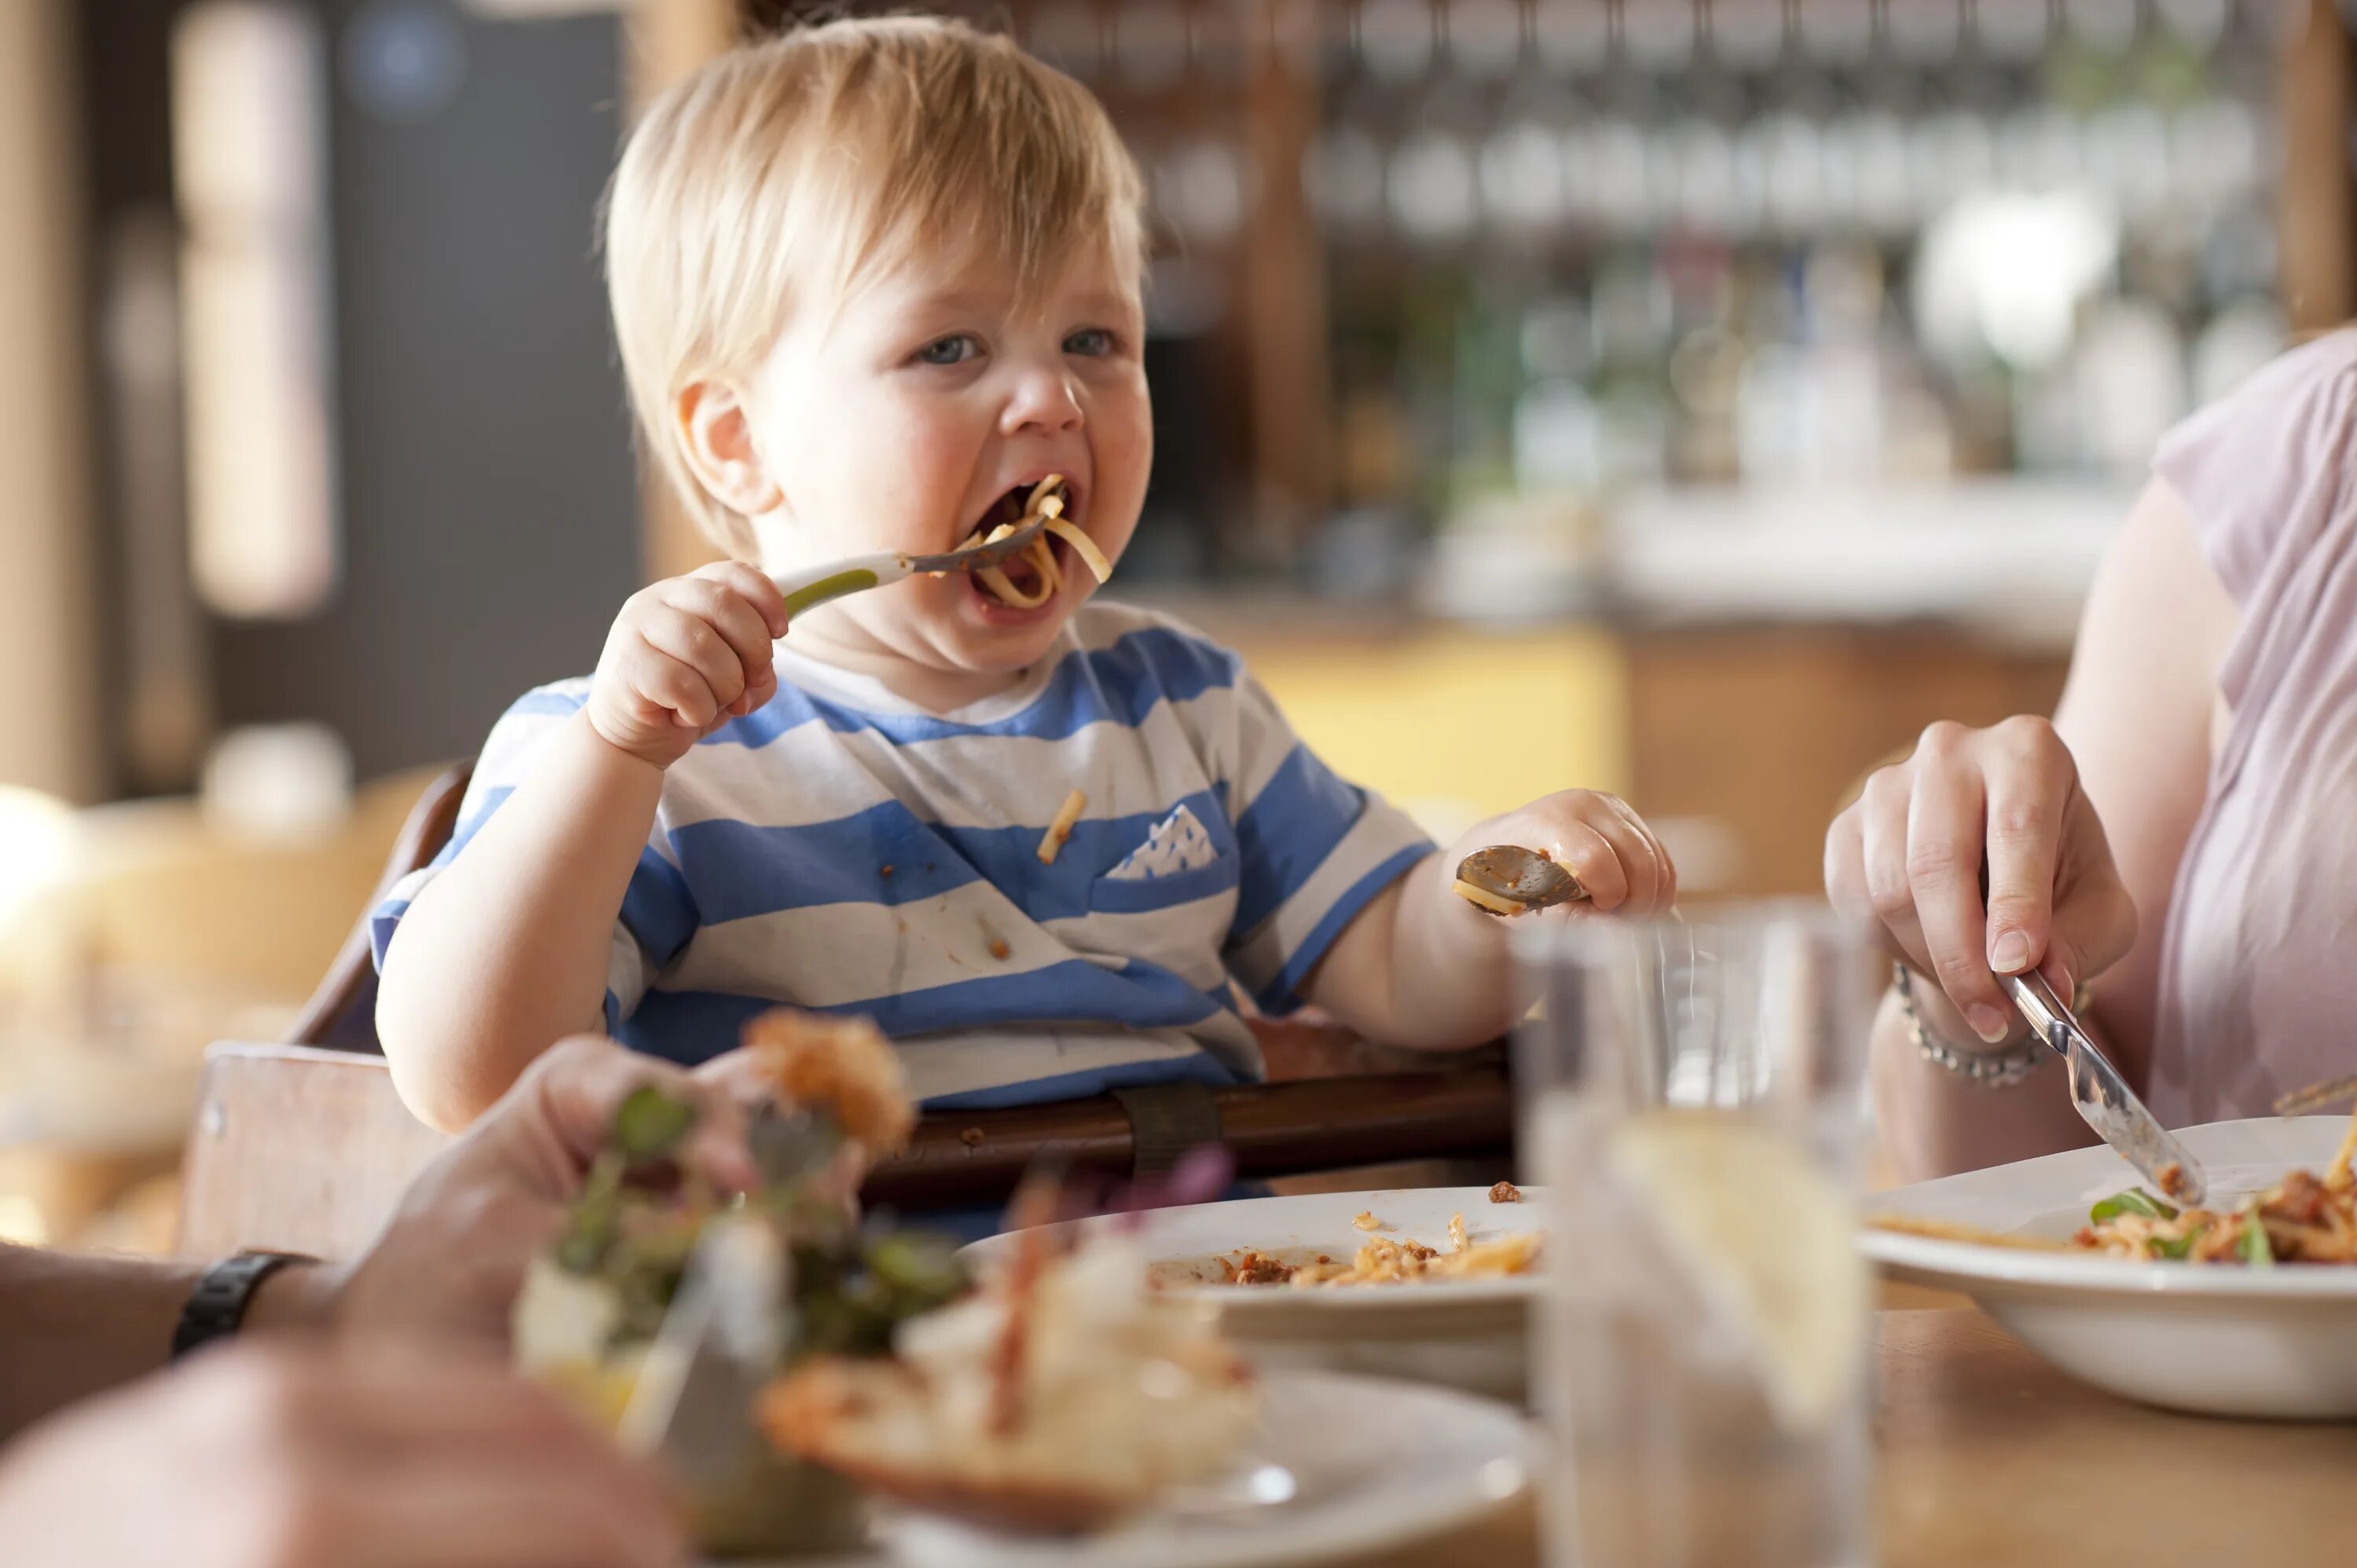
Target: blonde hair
pixel 776 178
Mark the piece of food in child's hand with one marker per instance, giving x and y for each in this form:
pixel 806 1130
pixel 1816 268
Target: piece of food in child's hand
pixel 843 1067
pixel 1482 897
pixel 1061 1396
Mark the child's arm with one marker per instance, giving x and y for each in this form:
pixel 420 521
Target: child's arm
pixel 1419 967
pixel 506 950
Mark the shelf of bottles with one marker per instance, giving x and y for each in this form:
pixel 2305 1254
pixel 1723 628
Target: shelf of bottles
pixel 1576 247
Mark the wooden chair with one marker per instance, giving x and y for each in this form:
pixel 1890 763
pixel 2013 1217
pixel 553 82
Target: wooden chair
pixel 341 1013
pixel 304 1146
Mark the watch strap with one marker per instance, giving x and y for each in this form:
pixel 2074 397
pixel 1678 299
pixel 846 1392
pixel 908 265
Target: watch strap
pixel 218 1305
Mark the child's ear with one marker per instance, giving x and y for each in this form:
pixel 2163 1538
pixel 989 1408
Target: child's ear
pixel 719 441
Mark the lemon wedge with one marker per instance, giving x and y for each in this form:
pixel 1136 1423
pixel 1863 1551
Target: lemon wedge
pixel 1765 1232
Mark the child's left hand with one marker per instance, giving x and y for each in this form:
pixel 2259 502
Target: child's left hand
pixel 1598 839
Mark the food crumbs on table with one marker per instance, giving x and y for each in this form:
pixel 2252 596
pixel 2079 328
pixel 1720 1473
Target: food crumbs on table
pixel 1458 1242
pixel 1505 1192
pixel 971 1137
pixel 1365 1220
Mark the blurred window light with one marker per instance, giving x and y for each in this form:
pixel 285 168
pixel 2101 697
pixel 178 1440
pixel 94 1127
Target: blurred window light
pixel 2217 149
pixel 249 140
pixel 2005 273
pixel 2041 150
pixel 1747 34
pixel 1948 156
pixel 2126 150
pixel 2201 23
pixel 2010 29
pixel 22 1222
pixel 1659 35
pixel 1886 196
pixel 2234 346
pixel 404 60
pixel 1617 185
pixel 1711 195
pixel 1521 175
pixel 36 851
pixel 1923 32
pixel 1202 190
pixel 1432 188
pixel 2109 27
pixel 1836 32
pixel 1395 39
pixel 1485 36
pixel 278 783
pixel 1572 35
pixel 1343 173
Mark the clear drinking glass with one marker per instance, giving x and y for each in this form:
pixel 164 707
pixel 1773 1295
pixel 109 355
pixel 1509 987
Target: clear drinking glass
pixel 1693 1107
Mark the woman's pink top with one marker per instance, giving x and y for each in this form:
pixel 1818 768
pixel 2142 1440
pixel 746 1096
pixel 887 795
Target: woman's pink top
pixel 2258 972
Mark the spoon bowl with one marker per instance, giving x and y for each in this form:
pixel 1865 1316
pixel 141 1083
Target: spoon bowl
pixel 1506 879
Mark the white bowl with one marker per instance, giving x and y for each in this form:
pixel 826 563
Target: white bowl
pixel 1463 1334
pixel 2218 1339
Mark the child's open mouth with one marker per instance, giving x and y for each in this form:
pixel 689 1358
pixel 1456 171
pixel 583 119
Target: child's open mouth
pixel 1031 579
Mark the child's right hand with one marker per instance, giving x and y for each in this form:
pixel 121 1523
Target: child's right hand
pixel 686 655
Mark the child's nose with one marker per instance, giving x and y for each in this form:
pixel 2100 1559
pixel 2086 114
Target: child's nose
pixel 1042 402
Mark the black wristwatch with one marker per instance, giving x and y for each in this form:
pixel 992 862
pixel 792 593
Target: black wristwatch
pixel 218 1305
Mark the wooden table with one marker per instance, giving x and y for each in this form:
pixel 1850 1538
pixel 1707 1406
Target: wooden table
pixel 1989 1458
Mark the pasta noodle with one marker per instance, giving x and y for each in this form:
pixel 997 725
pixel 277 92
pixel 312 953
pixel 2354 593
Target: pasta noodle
pixel 1951 1230
pixel 1047 504
pixel 1385 1262
pixel 2303 1219
pixel 1051 844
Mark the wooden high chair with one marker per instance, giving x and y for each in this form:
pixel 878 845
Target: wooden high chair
pixel 304 1146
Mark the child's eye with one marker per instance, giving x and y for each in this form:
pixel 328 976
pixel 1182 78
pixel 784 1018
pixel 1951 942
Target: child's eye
pixel 1094 342
pixel 954 350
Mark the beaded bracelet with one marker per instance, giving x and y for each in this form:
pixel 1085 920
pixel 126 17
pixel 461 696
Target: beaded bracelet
pixel 1991 1070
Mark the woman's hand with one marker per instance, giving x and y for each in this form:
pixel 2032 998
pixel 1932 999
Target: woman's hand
pixel 1908 854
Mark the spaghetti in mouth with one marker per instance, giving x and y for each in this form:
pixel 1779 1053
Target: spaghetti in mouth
pixel 1033 578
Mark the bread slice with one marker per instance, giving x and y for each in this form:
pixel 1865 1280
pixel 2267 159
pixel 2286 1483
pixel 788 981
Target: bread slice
pixel 1061 1396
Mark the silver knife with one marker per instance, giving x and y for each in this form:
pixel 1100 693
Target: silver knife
pixel 2102 1098
pixel 719 1346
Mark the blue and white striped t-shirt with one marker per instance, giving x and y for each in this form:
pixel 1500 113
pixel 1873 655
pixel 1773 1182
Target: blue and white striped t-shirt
pixel 843 851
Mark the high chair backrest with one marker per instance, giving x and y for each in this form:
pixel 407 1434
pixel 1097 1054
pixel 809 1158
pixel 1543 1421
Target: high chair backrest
pixel 341 1013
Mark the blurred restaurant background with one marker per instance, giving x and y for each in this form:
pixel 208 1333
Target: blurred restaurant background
pixel 1686 398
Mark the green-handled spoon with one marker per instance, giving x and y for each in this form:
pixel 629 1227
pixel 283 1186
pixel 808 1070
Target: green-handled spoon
pixel 816 585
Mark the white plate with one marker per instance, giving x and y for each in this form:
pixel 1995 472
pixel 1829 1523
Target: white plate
pixel 2222 1340
pixel 1463 1334
pixel 1340 1466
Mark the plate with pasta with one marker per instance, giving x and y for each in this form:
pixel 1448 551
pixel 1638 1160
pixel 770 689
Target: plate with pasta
pixel 1430 1284
pixel 2245 1305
